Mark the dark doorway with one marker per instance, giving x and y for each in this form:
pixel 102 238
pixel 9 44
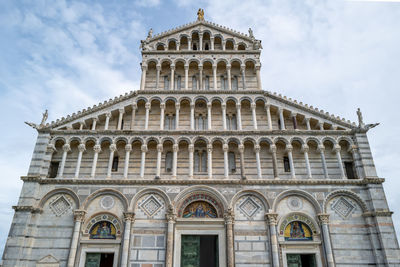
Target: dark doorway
pixel 99 260
pixel 199 251
pixel 301 260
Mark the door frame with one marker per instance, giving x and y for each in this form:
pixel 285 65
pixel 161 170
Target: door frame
pixel 200 227
pixel 99 247
pixel 301 247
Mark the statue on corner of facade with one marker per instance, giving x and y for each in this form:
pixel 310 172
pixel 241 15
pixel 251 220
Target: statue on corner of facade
pixel 42 124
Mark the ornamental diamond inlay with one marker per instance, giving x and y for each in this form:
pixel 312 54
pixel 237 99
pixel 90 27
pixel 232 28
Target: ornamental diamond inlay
pixel 249 207
pixel 60 205
pixel 343 207
pixel 151 206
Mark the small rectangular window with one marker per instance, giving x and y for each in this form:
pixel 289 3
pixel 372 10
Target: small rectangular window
pixel 286 164
pixel 234 122
pixel 114 167
pixel 166 83
pixel 53 169
pixel 232 162
pixel 178 82
pixel 349 166
pixel 207 83
pixel 168 162
pixel 235 83
pixel 122 124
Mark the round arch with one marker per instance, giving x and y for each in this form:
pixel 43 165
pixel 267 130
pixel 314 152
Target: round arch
pixel 346 193
pixel 105 191
pixel 146 191
pixel 57 191
pixel 300 193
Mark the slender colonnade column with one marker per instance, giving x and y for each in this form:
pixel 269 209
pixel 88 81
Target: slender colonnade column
pixel 257 151
pixel 305 149
pixel 274 160
pixel 146 122
pixel 66 148
pixel 172 77
pixel 201 77
pixel 81 149
pixel 209 122
pixel 94 123
pixel 121 116
pixel 175 149
pixel 228 70
pixel 289 149
pixel 243 71
pixel 113 148
pixel 192 116
pixel 324 219
pixel 254 115
pixel 242 169
pixel 143 79
pixel 171 218
pixel 223 107
pixel 79 216
pixel 281 119
pixel 339 160
pixel 129 218
pixel 229 217
pixel 97 150
pixel 159 153
pixel 225 148
pixel 162 108
pixel 128 149
pixel 108 117
pixel 191 151
pixel 258 77
pixel 186 77
pixel 158 67
pixel 272 221
pixel 307 119
pixel 209 153
pixel 294 119
pixel 177 108
pixel 134 107
pixel 321 150
pixel 143 160
pixel 239 116
pixel 268 109
pixel 214 67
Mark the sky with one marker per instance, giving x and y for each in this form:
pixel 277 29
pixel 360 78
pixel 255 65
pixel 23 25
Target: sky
pixel 65 56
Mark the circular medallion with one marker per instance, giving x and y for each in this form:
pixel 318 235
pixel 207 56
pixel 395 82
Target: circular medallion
pixel 107 202
pixel 294 203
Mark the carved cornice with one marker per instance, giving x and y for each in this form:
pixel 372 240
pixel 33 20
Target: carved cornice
pixel 200 52
pixel 378 213
pixel 31 209
pixel 162 181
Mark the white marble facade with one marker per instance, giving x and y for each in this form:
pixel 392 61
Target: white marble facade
pixel 202 129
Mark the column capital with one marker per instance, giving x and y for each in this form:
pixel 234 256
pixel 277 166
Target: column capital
pixel 272 218
pixel 228 67
pixel 95 119
pixel 267 105
pixel 177 106
pixel 170 215
pixel 214 67
pixel 225 147
pixel 162 105
pixel 191 148
pixel 352 149
pixel 134 105
pixel 293 114
pixel 242 67
pixel 238 105
pixel 172 67
pixel 175 147
pixel 257 148
pixel 158 67
pixel 147 105
pixel 97 148
pixel 51 148
pixel 223 105
pixel 209 105
pixel 336 148
pixel 253 105
pixel 305 148
pixel 280 109
pixel 160 147
pixel 289 148
pixel 272 148
pixel 257 66
pixel 121 110
pixel 144 148
pixel 81 147
pixel 108 115
pixel 129 216
pixel 323 218
pixel 321 148
pixel 307 118
pixel 113 147
pixel 82 123
pixel 128 148
pixel 144 67
pixel 192 105
pixel 79 215
pixel 200 67
pixel 209 148
pixel 229 216
pixel 241 148
pixel 66 148
pixel 186 67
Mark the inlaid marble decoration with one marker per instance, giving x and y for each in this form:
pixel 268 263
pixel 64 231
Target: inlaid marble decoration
pixel 294 203
pixel 151 206
pixel 343 207
pixel 60 205
pixel 249 207
pixel 107 202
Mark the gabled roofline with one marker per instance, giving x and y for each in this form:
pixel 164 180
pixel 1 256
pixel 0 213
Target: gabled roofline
pixel 200 22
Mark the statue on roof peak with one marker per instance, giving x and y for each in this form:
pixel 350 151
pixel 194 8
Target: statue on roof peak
pixel 200 14
pixel 42 124
pixel 361 125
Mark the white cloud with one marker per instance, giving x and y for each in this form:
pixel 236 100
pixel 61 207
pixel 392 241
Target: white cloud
pixel 148 3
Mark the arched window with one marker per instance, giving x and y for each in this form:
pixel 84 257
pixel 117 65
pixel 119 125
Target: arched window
pixel 235 83
pixel 231 122
pixel 194 83
pixel 103 230
pixel 169 122
pixel 178 82
pixel 166 82
pixel 115 164
pixel 206 47
pixel 194 46
pixel 232 162
pixel 286 164
pixel 168 162
pixel 207 82
pixel 224 84
pixel 201 122
pixel 200 161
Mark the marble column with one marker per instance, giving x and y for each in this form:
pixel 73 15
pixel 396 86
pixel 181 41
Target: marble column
pixel 258 77
pixel 134 107
pixel 214 67
pixel 223 45
pixel 94 123
pixel 162 109
pixel 307 120
pixel 254 114
pixel 146 122
pixel 239 116
pixel 212 43
pixel 66 148
pixel 200 41
pixel 177 108
pixel 258 161
pixel 201 77
pixel 128 149
pixel 81 148
pixel 209 165
pixel 281 118
pixel 186 77
pixel 159 154
pixel 143 79
pixel 337 149
pixel 172 81
pixel 268 109
pixel 129 218
pixel 108 117
pixel 178 45
pixel 354 152
pixel 79 216
pixel 209 116
pixel 229 217
pixel 225 148
pixel 272 222
pixel 171 218
pixel 158 68
pixel 324 220
pixel 120 117
pixel 242 168
pixel 113 148
pixel 289 150
pixel 305 149
pixel 321 150
pixel 243 71
pixel 192 116
pixel 274 160
pixel 97 150
pixel 189 43
pixel 294 119
pixel 321 126
pixel 191 151
pixel 81 125
pixel 175 149
pixel 229 78
pixel 143 160
pixel 223 107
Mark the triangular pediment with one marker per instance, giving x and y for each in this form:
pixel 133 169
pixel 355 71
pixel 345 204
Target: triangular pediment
pixel 46 260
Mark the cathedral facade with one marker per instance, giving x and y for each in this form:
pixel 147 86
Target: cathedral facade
pixel 202 167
